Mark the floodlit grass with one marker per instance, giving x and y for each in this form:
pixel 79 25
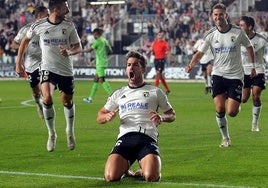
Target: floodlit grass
pixel 189 146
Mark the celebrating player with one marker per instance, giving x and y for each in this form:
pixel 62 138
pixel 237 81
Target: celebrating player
pixel 225 41
pixel 256 84
pixel 32 58
pixel 137 105
pixel 57 36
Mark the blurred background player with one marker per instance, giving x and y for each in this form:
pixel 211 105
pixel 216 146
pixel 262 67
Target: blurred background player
pixel 160 49
pixel 102 49
pixel 206 65
pixel 253 85
pixel 32 58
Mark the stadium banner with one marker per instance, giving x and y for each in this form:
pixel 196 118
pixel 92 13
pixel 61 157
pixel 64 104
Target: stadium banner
pixel 8 71
pixel 172 73
pixel 175 73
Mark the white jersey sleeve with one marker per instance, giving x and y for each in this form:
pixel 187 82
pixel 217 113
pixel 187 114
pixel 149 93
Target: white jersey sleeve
pixel 134 106
pixel 208 56
pixel 259 44
pixel 33 52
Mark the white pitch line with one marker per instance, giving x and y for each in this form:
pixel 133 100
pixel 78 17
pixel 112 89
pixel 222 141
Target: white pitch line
pixel 26 103
pixel 50 175
pixel 98 178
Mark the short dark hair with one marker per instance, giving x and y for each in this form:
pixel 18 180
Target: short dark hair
pixel 138 55
pixel 39 10
pixel 55 3
pixel 219 6
pixel 249 21
pixel 98 31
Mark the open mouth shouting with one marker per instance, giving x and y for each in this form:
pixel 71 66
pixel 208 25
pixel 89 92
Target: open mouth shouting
pixel 131 75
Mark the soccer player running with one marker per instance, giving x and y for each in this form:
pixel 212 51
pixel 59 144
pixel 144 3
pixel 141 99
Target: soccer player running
pixel 225 41
pixel 102 49
pixel 253 85
pixel 58 37
pixel 206 65
pixel 137 105
pixel 160 49
pixel 32 59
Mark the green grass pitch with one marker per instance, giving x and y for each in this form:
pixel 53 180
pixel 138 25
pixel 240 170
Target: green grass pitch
pixel 189 147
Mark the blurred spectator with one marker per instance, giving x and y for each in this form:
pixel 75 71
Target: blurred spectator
pixel 22 19
pixel 1 55
pixel 150 32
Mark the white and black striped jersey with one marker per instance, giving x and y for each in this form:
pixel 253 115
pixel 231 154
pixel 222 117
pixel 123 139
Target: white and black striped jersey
pixel 52 36
pixel 134 106
pixel 32 58
pixel 226 47
pixel 259 43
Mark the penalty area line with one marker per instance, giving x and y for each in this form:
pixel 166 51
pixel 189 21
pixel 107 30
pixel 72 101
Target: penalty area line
pixel 98 178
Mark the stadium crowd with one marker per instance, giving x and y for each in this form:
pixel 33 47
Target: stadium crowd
pixel 184 22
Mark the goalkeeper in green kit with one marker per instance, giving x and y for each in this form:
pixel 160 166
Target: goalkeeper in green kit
pixel 102 49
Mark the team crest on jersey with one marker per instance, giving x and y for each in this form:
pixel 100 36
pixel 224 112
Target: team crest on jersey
pixel 64 31
pixel 146 94
pixel 232 38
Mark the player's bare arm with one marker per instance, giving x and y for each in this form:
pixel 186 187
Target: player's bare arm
pixel 68 52
pixel 252 59
pixel 105 116
pixel 19 61
pixel 168 116
pixel 195 59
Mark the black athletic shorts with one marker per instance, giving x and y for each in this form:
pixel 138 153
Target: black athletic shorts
pixel 232 87
pixel 34 78
pixel 205 65
pixel 258 80
pixel 159 64
pixel 134 146
pixel 64 83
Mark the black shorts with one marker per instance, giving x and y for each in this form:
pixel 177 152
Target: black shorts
pixel 64 83
pixel 258 80
pixel 232 87
pixel 134 146
pixel 159 64
pixel 204 66
pixel 34 78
